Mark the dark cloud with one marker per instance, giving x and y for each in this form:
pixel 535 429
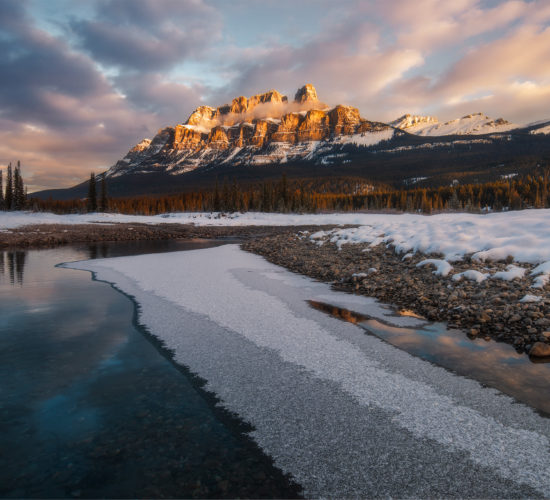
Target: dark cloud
pixel 40 73
pixel 150 92
pixel 60 115
pixel 148 35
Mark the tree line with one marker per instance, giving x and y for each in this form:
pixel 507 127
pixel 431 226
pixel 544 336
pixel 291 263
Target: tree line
pixel 530 191
pixel 14 197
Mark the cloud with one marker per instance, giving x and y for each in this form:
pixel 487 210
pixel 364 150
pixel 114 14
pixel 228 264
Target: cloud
pixel 148 35
pixel 77 97
pixel 388 58
pixel 152 93
pixel 61 116
pixel 347 65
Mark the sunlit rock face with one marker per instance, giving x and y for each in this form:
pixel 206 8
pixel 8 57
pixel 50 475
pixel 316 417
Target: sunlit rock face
pixel 306 94
pixel 265 118
pixel 266 127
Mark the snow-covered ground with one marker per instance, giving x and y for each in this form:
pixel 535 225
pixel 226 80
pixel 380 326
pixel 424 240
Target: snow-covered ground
pixel 523 235
pixel 345 413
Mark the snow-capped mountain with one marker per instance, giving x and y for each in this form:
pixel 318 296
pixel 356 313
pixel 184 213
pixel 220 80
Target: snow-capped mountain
pixel 408 122
pixel 257 138
pixel 265 128
pixel 474 124
pixel 540 127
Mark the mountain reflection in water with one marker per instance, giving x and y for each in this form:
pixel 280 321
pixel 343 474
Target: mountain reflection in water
pixel 495 364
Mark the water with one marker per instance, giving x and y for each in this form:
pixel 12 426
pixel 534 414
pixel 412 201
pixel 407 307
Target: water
pixel 92 406
pixel 494 364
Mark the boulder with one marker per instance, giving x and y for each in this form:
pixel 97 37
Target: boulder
pixel 540 350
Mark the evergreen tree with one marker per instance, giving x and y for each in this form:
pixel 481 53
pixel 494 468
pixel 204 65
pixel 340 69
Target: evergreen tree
pixel 103 199
pixel 19 198
pixel 216 201
pixel 92 196
pixel 8 199
pixel 1 190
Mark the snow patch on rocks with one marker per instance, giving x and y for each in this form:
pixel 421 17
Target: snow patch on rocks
pixel 472 275
pixel 442 267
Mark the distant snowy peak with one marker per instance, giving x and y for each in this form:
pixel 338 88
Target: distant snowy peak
pixel 540 127
pixel 407 121
pixel 474 124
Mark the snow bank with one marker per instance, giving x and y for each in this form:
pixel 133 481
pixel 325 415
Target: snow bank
pixel 524 235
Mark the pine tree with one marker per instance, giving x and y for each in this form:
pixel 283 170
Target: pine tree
pixel 8 199
pixel 217 201
pixel 19 198
pixel 92 196
pixel 1 190
pixel 103 199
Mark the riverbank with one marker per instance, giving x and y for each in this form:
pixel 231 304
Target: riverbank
pixel 488 275
pixel 51 235
pixel 505 310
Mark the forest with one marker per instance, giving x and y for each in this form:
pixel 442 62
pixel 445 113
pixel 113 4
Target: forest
pixel 512 193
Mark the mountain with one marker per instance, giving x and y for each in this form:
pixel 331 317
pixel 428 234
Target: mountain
pixel 474 124
pixel 255 139
pixel 413 122
pixel 265 128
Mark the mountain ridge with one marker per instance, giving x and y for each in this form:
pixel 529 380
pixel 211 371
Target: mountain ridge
pixel 257 138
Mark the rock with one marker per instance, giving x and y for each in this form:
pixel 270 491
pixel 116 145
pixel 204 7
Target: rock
pixel 540 350
pixel 306 94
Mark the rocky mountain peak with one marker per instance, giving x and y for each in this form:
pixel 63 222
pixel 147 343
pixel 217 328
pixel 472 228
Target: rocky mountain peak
pixel 141 146
pixel 406 121
pixel 305 94
pixel 272 96
pixel 201 117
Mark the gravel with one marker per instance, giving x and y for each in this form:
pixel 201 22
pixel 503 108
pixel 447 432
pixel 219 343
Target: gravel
pixel 491 308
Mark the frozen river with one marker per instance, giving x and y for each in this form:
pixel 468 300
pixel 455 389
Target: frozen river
pixel 342 412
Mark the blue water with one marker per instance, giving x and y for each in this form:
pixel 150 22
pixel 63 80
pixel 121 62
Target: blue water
pixel 92 406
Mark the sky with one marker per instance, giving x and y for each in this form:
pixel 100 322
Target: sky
pixel 82 82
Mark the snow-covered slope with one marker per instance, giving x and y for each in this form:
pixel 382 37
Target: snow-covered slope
pixel 407 122
pixel 543 128
pixel 474 124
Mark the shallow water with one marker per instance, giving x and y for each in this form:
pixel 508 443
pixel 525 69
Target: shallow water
pixel 494 364
pixel 92 406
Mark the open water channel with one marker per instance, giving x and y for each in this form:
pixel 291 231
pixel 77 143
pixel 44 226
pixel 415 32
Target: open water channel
pixel 92 406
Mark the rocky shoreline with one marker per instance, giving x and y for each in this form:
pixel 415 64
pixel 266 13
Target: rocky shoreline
pixel 51 235
pixel 490 309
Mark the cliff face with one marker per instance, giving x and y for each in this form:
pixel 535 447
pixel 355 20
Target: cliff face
pixel 268 117
pixel 266 127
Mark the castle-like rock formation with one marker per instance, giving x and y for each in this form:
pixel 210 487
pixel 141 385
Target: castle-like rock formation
pixel 265 118
pixel 264 128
